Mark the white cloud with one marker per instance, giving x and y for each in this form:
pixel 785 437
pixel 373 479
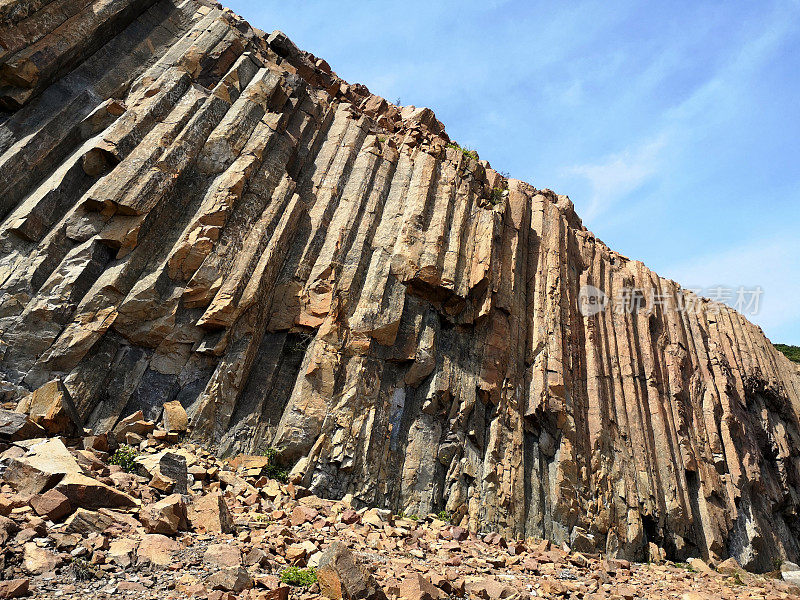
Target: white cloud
pixel 615 176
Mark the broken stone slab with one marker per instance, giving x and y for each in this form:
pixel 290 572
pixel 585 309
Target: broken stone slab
pixel 167 516
pixel 36 560
pixel 90 493
pixel 302 514
pixel 341 577
pixel 15 426
pixel 122 552
pixel 700 565
pixel 279 593
pixel 84 522
pixel 14 588
pixel 134 424
pixel 96 442
pixel 44 465
pixel 231 579
pixel 157 549
pixel 790 572
pixel 146 465
pixel 249 461
pixel 210 513
pixel 729 566
pixel 236 483
pixel 27 479
pixel 172 467
pixel 52 505
pixel 52 407
pixel 491 589
pixel 222 555
pixel 377 517
pixel 417 587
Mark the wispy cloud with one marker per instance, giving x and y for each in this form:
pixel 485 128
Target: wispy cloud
pixel 617 175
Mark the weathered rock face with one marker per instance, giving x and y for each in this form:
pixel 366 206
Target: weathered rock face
pixel 195 211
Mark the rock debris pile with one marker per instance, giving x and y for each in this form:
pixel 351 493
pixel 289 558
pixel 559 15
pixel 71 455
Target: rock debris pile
pixel 171 520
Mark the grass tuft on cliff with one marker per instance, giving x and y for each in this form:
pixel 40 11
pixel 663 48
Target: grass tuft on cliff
pixel 791 352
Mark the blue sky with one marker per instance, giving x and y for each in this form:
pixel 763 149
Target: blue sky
pixel 673 127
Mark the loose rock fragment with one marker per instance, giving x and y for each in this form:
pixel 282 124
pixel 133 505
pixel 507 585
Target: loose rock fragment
pixel 341 577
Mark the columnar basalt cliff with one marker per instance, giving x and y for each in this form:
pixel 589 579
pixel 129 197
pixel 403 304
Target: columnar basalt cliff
pixel 195 210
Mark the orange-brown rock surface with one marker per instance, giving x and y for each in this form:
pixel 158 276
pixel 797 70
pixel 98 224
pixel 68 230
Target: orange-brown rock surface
pixel 192 210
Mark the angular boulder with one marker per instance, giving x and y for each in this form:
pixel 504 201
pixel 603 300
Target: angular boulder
pixel 231 579
pixel 342 577
pixel 14 588
pixel 52 505
pixel 15 426
pixel 85 521
pixel 52 407
pixel 167 516
pixel 156 549
pixel 175 418
pixel 36 560
pixel 210 513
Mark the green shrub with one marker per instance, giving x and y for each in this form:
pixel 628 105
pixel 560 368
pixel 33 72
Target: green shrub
pixel 299 577
pixel 274 469
pixel 496 196
pixel 791 352
pixel 124 457
pixel 444 516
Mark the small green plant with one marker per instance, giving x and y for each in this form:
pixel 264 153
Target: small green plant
pixel 84 571
pixel 496 196
pixel 444 516
pixel 382 138
pixel 261 518
pixel 274 470
pixel 124 457
pixel 411 516
pixel 737 578
pixel 777 562
pixel 299 577
pixel 465 151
